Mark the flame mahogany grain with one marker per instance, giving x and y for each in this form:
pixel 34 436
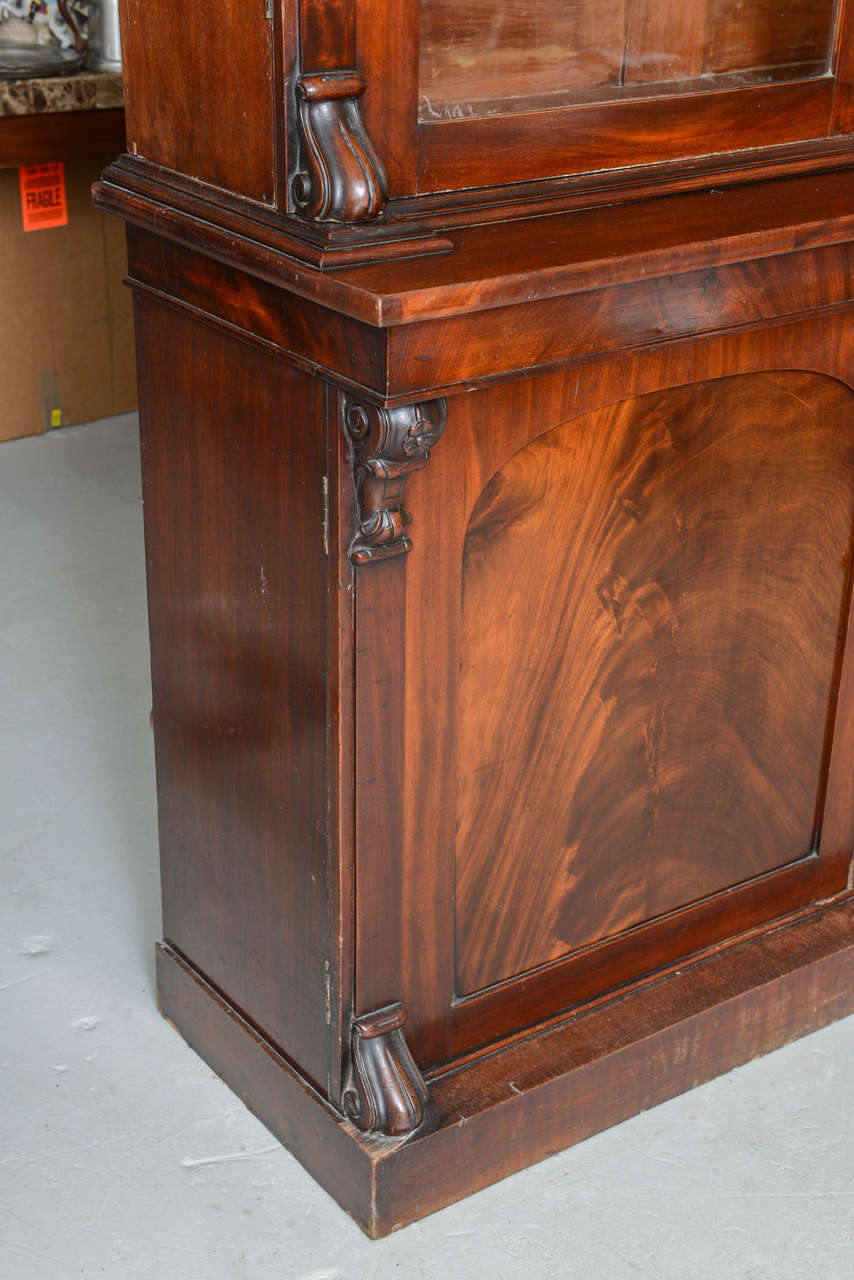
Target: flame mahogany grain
pixel 642 721
pixel 499 558
pixel 471 453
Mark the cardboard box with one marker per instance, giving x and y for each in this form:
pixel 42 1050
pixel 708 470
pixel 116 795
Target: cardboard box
pixel 66 321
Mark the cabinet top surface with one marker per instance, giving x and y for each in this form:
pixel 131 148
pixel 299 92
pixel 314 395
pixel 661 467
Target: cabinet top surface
pixel 492 264
pixel 495 264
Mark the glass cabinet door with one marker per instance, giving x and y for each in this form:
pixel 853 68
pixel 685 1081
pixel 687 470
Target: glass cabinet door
pixel 489 57
pixel 467 94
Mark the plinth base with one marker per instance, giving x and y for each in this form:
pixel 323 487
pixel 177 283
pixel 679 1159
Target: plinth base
pixel 533 1097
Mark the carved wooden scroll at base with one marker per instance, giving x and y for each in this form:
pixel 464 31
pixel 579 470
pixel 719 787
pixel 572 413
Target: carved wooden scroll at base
pixel 390 443
pixel 345 180
pixel 387 1094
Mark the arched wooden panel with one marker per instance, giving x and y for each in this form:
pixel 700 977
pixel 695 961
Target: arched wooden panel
pixel 653 597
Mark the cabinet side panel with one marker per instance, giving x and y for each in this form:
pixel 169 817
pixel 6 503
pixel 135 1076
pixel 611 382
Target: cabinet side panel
pixel 199 92
pixel 233 448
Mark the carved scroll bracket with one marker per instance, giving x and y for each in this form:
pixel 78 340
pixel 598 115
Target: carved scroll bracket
pixel 344 179
pixel 389 443
pixel 387 1093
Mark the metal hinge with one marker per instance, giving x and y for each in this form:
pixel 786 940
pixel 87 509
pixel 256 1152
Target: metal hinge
pixel 268 10
pixel 324 518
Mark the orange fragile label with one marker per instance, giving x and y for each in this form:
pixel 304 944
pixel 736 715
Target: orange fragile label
pixel 43 201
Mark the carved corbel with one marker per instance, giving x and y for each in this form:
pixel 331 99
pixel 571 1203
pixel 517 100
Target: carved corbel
pixel 389 444
pixel 387 1093
pixel 345 180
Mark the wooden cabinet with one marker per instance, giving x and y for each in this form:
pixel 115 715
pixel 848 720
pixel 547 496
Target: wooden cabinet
pixel 497 411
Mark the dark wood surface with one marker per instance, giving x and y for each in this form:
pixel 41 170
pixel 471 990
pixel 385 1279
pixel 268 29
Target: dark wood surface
pixel 493 264
pixel 486 429
pixel 499 1114
pixel 504 744
pixel 659 691
pixel 175 58
pixel 433 356
pixel 195 81
pixel 400 650
pixel 485 70
pixel 392 97
pixel 842 120
pixel 233 451
pixel 471 152
pixel 318 336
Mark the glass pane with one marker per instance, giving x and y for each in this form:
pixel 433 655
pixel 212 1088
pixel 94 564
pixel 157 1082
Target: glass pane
pixel 485 57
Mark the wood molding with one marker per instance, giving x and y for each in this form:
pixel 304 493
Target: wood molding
pixel 345 180
pixel 387 1093
pixel 196 214
pixel 471 151
pixel 389 443
pixel 494 1114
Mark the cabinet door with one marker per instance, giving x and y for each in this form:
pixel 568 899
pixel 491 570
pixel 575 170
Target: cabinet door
pixel 621 741
pixel 486 58
pixel 485 92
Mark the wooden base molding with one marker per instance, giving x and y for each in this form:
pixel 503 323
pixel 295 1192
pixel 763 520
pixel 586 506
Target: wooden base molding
pixel 533 1097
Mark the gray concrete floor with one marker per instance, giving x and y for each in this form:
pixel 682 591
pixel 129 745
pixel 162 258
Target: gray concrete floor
pixel 122 1155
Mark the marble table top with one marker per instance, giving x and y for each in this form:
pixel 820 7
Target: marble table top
pixel 84 91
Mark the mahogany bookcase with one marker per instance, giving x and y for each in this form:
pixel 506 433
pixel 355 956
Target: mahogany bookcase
pixel 497 412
